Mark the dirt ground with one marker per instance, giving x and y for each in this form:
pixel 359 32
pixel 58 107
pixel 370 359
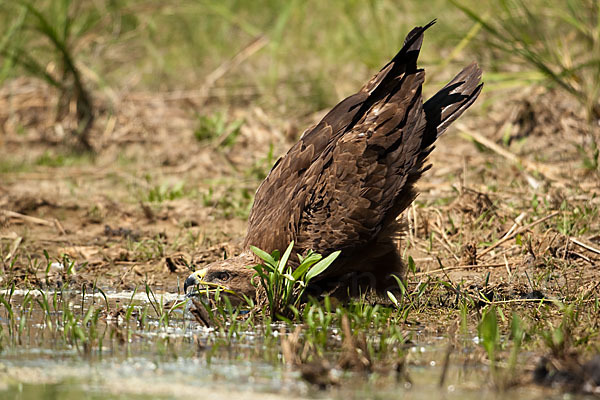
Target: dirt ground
pixel 155 202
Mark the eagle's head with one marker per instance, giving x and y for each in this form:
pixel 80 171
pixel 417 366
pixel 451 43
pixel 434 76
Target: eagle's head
pixel 233 276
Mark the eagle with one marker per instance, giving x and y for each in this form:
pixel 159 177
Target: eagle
pixel 343 185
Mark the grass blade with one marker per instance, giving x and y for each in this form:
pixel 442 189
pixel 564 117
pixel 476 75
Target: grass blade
pixel 285 257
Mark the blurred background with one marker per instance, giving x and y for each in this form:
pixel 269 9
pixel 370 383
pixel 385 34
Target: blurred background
pixel 289 58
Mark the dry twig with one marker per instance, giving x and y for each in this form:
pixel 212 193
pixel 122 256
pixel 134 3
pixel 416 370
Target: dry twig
pixel 518 231
pixel 585 246
pixel 549 172
pixel 27 218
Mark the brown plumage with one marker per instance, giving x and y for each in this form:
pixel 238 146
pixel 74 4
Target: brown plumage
pixel 343 185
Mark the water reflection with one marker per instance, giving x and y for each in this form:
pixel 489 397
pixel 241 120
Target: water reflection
pixel 115 346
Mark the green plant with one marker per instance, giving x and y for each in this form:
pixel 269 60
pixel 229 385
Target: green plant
pixel 283 285
pixel 591 159
pixel 517 335
pixel 147 249
pixel 216 129
pixel 410 300
pixel 229 200
pixel 165 191
pixel 489 333
pixel 163 313
pixel 559 39
pixel 49 32
pixel 50 159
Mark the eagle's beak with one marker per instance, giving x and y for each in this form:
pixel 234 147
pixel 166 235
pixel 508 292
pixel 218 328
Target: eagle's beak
pixel 194 279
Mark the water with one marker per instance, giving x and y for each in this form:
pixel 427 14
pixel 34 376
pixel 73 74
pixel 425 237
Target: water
pixel 182 359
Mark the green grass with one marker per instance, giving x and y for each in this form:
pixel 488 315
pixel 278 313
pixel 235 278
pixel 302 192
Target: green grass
pixel 148 249
pixel 357 335
pixel 177 45
pixel 8 166
pixel 216 130
pixel 165 191
pixel 558 39
pixel 49 32
pixel 54 159
pixel 232 201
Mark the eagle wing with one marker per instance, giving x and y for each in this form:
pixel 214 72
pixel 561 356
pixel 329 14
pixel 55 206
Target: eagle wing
pixel 350 175
pixel 271 224
pixel 357 180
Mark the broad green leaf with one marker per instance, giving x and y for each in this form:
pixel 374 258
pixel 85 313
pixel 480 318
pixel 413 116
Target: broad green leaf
pixel 87 316
pixel 401 284
pixel 488 331
pixel 275 254
pixel 322 265
pixel 300 271
pixel 392 298
pixel 411 265
pixel 306 263
pixel 289 277
pixel 266 257
pixel 284 259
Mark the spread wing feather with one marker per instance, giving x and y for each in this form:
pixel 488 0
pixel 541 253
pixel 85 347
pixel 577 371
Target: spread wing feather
pixel 350 175
pixel 359 178
pixel 275 214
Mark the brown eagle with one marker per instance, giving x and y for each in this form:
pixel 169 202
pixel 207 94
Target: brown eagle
pixel 343 185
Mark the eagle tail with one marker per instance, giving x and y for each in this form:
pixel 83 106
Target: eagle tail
pixel 450 102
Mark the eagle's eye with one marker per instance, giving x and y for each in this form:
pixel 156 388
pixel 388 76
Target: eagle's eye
pixel 222 276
